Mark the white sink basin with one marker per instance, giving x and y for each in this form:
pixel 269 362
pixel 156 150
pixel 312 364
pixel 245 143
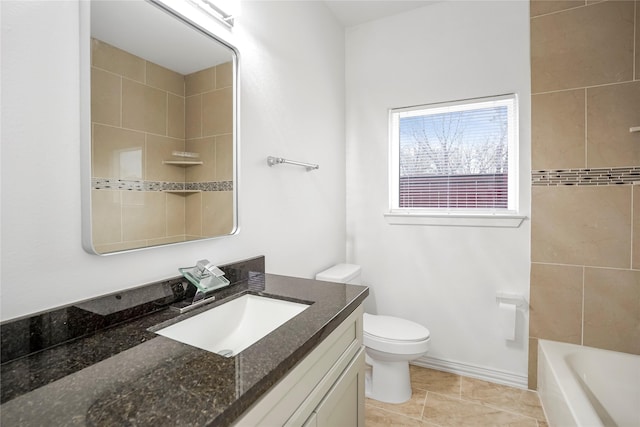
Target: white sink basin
pixel 233 326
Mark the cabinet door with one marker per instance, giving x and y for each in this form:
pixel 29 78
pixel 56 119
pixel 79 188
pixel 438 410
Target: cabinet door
pixel 343 406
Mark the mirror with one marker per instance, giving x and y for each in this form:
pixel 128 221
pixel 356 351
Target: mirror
pixel 160 137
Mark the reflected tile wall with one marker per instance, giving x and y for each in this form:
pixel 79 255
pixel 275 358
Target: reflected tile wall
pixel 217 207
pixel 193 215
pixel 585 272
pixel 209 131
pixel 224 157
pixel 141 114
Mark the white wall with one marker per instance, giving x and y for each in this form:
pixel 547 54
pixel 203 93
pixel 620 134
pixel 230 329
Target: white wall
pixel 292 105
pixel 443 277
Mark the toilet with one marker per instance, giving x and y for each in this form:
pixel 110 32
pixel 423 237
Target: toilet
pixel 390 344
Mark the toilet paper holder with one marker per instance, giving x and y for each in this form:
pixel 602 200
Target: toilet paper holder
pixel 515 299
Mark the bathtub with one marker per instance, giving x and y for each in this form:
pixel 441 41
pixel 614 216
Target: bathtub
pixel 584 386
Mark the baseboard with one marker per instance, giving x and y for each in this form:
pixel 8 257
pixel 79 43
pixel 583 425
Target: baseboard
pixel 487 374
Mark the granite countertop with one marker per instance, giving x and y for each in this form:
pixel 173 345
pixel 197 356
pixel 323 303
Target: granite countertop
pixel 125 374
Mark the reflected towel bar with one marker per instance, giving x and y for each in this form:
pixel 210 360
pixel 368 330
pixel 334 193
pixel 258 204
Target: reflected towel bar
pixel 277 160
pixel 634 129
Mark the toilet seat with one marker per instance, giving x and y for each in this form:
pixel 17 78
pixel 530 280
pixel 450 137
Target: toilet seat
pixel 394 335
pixel 393 328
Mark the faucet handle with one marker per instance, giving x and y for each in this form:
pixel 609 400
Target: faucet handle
pixel 204 265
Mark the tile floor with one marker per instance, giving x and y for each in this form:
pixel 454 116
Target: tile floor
pixel 445 399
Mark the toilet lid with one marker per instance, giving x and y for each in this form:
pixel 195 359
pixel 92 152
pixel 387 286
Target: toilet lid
pixel 393 328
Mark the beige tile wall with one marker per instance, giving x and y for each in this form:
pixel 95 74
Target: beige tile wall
pixel 585 243
pixel 141 113
pixel 209 131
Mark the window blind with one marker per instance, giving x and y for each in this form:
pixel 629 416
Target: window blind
pixel 456 156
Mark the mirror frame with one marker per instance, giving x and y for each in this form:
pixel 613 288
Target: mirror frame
pixel 86 133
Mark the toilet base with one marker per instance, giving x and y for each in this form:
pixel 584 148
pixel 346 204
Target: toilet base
pixel 389 381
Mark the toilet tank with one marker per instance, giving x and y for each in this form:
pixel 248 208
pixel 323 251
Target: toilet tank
pixel 341 273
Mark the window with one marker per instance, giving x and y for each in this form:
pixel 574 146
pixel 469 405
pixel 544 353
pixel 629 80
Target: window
pixel 455 158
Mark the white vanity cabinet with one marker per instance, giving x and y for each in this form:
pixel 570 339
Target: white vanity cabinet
pixel 326 388
pixel 341 406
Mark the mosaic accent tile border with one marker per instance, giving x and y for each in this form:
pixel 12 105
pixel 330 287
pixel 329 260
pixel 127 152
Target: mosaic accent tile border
pixel 134 185
pixel 589 176
pixel 210 186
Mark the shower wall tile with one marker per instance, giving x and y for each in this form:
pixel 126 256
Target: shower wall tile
pixel 612 309
pixel 637 53
pixel 532 374
pixel 176 116
pixel 158 149
pixel 117 61
pixel 593 226
pixel 193 116
pixel 217 112
pixel 636 228
pixel 200 82
pixel 144 108
pixel 556 302
pixel 224 158
pixel 581 225
pixel 582 47
pixel 611 111
pixel 558 130
pixel 114 151
pixel 542 7
pixel 224 75
pixel 165 79
pixel 105 97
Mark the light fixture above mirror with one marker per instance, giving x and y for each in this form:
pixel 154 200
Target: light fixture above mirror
pixel 159 128
pixel 224 10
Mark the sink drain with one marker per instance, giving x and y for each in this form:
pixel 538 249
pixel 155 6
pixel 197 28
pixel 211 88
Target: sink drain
pixel 225 353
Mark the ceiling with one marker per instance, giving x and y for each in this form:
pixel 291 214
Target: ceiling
pixel 356 12
pixel 168 42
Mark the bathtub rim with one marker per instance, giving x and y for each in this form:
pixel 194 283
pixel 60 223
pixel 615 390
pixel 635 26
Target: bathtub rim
pixel 574 397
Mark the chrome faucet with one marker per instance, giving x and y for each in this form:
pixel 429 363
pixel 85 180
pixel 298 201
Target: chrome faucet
pixel 210 276
pixel 206 277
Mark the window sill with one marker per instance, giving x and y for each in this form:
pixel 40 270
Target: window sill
pixel 455 220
